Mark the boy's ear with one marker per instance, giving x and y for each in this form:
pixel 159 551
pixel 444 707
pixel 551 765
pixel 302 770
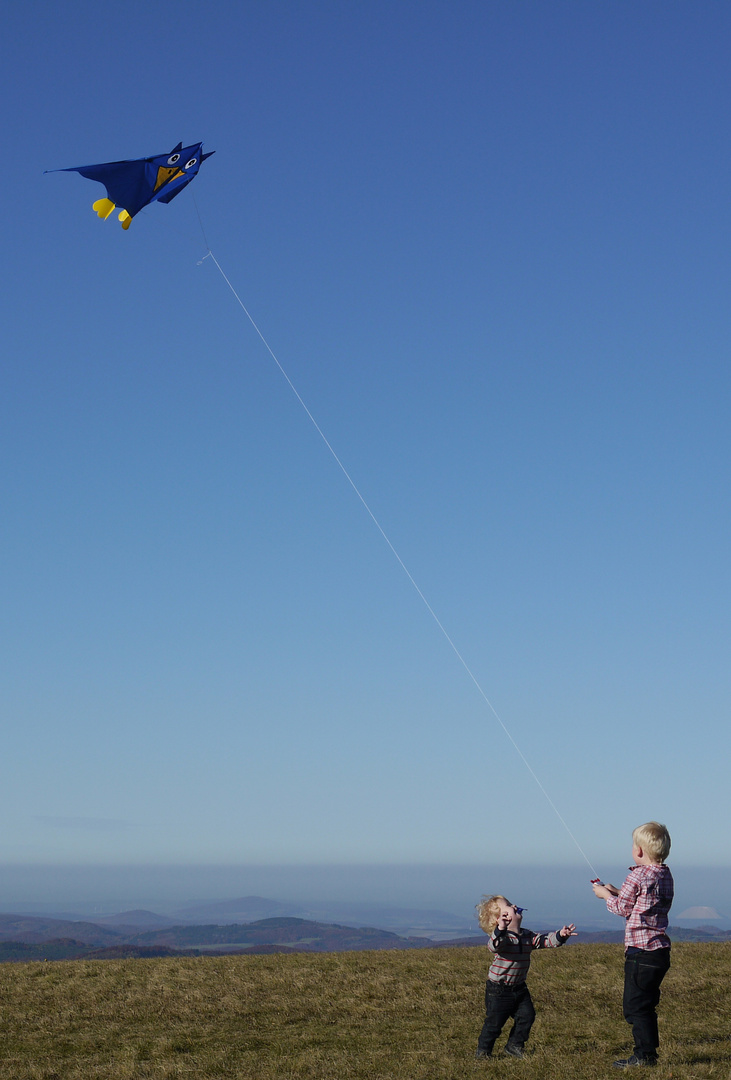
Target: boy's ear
pixel 640 852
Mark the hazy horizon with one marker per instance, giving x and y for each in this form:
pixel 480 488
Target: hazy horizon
pixel 548 893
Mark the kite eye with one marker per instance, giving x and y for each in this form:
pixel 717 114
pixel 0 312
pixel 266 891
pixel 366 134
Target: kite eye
pixel 173 159
pixel 191 163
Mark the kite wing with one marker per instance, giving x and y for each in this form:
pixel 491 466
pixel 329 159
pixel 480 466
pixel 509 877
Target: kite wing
pixel 131 185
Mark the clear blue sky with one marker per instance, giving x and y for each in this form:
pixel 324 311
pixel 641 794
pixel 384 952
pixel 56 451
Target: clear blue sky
pixel 489 243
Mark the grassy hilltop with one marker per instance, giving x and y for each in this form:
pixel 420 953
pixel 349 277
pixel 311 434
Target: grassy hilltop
pixel 406 1015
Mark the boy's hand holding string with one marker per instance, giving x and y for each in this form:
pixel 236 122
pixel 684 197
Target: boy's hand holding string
pixel 604 891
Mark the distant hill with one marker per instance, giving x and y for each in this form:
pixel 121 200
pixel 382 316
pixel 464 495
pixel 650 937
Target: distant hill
pixel 34 929
pixel 245 909
pixel 142 920
pixel 38 939
pixel 300 934
pixel 699 933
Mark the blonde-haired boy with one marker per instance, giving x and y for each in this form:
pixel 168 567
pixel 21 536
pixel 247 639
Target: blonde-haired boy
pixel 644 900
pixel 506 992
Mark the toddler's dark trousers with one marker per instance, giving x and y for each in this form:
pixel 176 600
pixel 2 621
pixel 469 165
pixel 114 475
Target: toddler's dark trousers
pixel 502 1003
pixel 644 970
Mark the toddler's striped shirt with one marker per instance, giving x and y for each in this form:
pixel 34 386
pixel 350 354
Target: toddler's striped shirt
pixel 513 952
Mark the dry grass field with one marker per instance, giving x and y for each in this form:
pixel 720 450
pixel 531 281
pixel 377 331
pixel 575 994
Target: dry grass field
pixel 338 1016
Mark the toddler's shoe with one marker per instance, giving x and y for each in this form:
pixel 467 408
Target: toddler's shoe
pixel 514 1050
pixel 481 1055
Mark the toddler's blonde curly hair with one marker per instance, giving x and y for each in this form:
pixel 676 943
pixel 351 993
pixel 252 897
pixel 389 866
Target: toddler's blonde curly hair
pixel 488 911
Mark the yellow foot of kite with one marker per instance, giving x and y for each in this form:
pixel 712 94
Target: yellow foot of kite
pixel 125 219
pixel 103 207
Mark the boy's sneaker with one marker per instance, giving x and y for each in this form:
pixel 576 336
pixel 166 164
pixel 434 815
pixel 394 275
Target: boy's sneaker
pixel 514 1050
pixel 623 1063
pixel 481 1055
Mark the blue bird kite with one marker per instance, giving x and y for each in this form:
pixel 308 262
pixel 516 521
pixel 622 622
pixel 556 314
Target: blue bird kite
pixel 132 185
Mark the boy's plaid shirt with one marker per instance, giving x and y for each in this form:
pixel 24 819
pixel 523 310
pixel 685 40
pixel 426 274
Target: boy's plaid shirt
pixel 644 900
pixel 512 953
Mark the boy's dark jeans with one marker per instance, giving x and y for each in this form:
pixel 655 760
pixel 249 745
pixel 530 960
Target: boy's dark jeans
pixel 501 1003
pixel 644 970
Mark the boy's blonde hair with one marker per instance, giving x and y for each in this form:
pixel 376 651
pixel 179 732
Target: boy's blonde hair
pixel 488 911
pixel 654 839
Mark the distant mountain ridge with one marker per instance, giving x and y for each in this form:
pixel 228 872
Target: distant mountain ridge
pixel 34 929
pixel 29 937
pixel 244 909
pixel 388 916
pixel 138 917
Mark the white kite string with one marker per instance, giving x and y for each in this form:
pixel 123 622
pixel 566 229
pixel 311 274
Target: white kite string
pixel 398 558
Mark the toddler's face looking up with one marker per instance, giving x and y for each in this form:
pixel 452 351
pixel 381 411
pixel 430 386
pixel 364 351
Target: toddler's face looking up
pixel 513 914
